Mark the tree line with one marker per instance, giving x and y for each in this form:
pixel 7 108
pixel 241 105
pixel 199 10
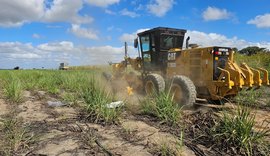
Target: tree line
pixel 251 50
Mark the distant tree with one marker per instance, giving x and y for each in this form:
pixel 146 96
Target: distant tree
pixel 16 68
pixel 235 49
pixel 253 50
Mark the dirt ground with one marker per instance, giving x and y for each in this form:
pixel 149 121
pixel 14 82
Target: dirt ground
pixel 63 131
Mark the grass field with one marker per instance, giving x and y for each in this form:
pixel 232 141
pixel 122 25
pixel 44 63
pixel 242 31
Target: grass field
pixel 86 125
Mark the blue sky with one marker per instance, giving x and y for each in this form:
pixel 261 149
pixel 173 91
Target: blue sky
pixel 43 33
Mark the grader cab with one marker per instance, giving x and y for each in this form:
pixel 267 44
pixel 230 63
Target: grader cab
pixel 208 72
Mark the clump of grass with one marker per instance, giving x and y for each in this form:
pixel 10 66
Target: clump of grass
pixel 13 90
pixel 71 98
pixel 248 97
pixel 15 137
pixel 237 130
pixel 168 148
pixel 163 107
pixel 97 99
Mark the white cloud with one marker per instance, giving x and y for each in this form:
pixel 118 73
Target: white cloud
pixel 36 36
pixel 131 14
pixel 213 39
pixel 25 56
pixel 54 26
pixel 107 11
pixel 78 31
pixel 213 13
pixel 127 37
pixel 102 3
pixel 66 11
pixel 49 55
pixel 63 46
pixel 261 21
pixel 130 37
pixel 110 28
pixel 113 28
pixel 204 39
pixel 160 7
pixel 16 12
pixel 14 52
pixel 104 54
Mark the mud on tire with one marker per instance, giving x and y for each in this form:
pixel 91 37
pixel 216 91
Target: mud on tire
pixel 184 90
pixel 154 83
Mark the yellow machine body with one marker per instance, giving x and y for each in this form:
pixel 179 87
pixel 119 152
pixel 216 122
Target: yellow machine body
pixel 212 70
pixel 200 65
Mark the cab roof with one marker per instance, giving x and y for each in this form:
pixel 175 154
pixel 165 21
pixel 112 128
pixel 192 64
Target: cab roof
pixel 164 29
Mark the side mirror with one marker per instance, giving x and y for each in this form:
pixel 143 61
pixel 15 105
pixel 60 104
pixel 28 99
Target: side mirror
pixel 136 43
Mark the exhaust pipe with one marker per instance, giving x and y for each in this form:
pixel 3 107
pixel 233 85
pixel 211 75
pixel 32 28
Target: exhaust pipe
pixel 187 42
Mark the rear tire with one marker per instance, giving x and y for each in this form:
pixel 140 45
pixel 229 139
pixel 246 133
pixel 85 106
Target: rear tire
pixel 183 90
pixel 154 83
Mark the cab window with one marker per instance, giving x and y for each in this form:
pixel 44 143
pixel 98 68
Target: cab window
pixel 167 42
pixel 145 40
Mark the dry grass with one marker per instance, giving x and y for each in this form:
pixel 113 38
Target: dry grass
pixel 15 136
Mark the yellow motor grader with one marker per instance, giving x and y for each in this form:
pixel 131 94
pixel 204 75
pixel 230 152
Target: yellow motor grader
pixel 209 72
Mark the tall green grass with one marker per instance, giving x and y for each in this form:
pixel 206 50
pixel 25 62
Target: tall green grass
pixel 163 107
pixel 237 130
pixel 97 100
pixel 257 60
pixel 51 81
pixel 69 86
pixel 13 89
pixel 14 136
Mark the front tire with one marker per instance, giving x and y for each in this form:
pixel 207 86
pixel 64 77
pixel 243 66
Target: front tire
pixel 183 90
pixel 154 83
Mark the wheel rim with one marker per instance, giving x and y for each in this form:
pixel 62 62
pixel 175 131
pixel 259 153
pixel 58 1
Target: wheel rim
pixel 149 87
pixel 177 93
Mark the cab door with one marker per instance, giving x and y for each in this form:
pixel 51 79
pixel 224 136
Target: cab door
pixel 145 50
pixel 149 53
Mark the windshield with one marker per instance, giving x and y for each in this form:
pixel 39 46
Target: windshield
pixel 168 42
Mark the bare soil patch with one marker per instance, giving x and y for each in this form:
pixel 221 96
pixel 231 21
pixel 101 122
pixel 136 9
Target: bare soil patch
pixel 3 107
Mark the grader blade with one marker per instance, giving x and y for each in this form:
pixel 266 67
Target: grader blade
pixel 265 80
pixel 253 76
pixel 249 75
pixel 256 78
pixel 236 74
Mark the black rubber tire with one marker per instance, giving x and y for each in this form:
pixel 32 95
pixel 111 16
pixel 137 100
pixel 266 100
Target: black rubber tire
pixel 188 90
pixel 157 81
